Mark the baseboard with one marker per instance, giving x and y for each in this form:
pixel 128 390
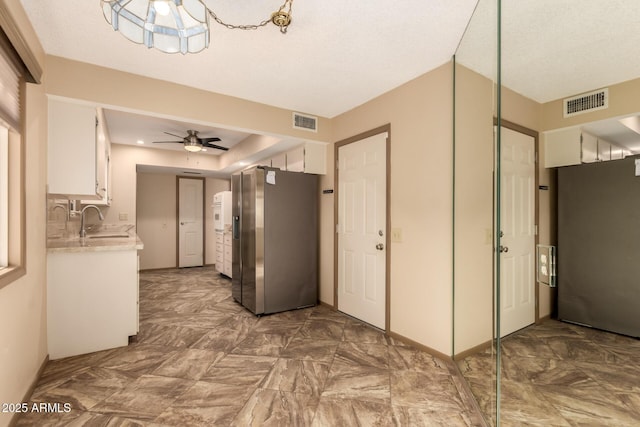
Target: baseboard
pixel 543 319
pixel 325 304
pixel 32 387
pixel 473 350
pixel 422 347
pixel 172 268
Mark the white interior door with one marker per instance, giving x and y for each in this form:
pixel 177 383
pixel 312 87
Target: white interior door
pixel 517 207
pixel 190 222
pixel 362 229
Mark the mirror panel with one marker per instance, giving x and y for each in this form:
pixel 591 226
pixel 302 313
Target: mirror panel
pixel 476 77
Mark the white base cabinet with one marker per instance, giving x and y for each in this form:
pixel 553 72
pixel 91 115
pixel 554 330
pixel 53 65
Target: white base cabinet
pixel 223 252
pixel 92 301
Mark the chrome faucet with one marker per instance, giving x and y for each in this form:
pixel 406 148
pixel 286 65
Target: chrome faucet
pixel 83 232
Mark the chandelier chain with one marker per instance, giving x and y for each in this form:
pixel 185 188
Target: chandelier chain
pixel 276 18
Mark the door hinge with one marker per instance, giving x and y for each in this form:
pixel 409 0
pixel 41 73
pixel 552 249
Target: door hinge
pixel 337 228
pixel 535 230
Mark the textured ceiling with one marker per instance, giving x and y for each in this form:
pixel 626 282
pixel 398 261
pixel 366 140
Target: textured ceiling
pixel 337 55
pixel 553 49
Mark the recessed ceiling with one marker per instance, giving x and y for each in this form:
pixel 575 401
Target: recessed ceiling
pixel 129 128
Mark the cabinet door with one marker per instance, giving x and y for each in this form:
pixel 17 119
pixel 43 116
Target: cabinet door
pixel 310 158
pixel 616 153
pixel 295 160
pixel 604 151
pixel 315 158
pixel 72 150
pixel 562 147
pixel 279 161
pixel 589 148
pixel 103 163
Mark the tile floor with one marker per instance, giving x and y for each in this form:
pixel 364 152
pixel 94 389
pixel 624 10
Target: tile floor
pixel 203 360
pixel 560 374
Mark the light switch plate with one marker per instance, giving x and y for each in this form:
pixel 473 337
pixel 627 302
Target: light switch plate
pixel 123 216
pixel 396 235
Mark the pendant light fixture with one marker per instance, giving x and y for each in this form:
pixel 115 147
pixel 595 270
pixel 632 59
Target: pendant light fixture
pixel 176 25
pixel 167 25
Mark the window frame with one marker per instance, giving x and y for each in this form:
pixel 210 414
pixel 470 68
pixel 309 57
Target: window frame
pixel 17 233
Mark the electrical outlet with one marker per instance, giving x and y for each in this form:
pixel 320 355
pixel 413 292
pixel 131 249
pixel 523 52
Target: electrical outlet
pixel 396 235
pixel 123 216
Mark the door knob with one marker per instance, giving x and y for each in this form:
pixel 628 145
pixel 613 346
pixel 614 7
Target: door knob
pixel 504 249
pixel 182 223
pixel 379 246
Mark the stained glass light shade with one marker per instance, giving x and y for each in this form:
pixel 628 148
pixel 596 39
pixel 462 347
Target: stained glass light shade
pixel 167 25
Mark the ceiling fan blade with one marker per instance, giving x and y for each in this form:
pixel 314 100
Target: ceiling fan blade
pixel 217 147
pixel 208 140
pixel 166 142
pixel 173 134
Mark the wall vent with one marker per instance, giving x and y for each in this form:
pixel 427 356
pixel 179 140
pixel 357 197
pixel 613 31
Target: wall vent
pixel 305 122
pixel 585 103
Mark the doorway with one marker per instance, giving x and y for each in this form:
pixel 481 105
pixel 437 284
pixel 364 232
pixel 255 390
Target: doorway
pixel 362 227
pixel 190 222
pixel 518 233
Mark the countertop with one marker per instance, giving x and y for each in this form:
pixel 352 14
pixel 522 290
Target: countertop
pixel 100 240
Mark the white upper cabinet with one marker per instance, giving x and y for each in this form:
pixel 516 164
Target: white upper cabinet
pixel 309 158
pixel 78 152
pixel 103 162
pixel 573 146
pixel 562 147
pixel 589 148
pixel 279 161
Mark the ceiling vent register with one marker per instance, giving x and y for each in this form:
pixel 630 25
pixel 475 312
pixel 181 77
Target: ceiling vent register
pixel 304 122
pixel 585 103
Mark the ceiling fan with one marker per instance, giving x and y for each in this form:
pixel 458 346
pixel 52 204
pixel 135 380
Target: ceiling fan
pixel 193 143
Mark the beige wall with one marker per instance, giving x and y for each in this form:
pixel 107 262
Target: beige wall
pixel 156 219
pixel 475 110
pixel 473 254
pixel 126 91
pixel 624 99
pixel 149 200
pixel 420 114
pixel 23 335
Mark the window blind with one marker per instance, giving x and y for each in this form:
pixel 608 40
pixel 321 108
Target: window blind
pixel 10 83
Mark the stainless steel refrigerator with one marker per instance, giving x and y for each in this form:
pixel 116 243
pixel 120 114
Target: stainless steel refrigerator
pixel 275 239
pixel 599 245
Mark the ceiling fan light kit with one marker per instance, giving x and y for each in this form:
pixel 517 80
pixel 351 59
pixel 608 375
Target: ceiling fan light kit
pixel 193 143
pixel 173 26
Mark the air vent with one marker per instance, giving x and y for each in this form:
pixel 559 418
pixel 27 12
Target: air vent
pixel 304 122
pixel 587 102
